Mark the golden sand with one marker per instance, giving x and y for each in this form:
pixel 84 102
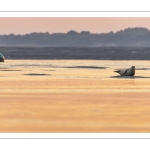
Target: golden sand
pixel 47 96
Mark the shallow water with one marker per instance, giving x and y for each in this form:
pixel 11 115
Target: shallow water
pixel 93 72
pixel 58 96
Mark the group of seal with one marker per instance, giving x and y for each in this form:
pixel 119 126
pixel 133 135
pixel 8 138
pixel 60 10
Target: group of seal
pixel 127 72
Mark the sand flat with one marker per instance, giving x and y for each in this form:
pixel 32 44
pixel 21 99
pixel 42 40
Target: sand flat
pixel 56 98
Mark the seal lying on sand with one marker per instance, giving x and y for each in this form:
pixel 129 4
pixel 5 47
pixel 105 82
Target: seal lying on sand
pixel 127 72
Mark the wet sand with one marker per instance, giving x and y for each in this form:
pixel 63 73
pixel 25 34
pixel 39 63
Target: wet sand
pixel 56 96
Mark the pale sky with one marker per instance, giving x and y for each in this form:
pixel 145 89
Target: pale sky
pixel 63 25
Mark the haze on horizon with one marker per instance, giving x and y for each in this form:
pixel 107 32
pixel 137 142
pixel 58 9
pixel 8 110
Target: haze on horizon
pixel 63 25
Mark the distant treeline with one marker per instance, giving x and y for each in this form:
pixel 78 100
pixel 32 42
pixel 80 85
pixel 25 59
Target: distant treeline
pixel 127 37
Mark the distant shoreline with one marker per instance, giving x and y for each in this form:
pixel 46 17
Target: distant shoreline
pixel 138 36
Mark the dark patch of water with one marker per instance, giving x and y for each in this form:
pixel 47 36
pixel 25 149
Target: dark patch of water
pixel 36 74
pixel 87 67
pixel 129 77
pixel 10 70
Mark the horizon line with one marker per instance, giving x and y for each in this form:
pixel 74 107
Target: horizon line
pixel 73 31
